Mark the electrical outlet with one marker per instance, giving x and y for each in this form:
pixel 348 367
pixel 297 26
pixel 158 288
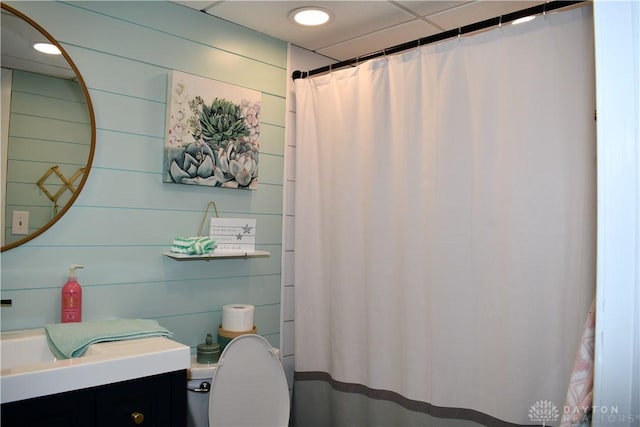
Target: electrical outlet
pixel 20 222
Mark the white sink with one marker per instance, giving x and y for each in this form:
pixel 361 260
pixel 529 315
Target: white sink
pixel 29 369
pixel 24 348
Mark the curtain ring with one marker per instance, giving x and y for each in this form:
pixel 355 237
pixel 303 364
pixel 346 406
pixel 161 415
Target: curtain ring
pixel 500 22
pixel 459 32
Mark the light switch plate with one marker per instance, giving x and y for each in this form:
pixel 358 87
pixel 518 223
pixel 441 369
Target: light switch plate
pixel 20 223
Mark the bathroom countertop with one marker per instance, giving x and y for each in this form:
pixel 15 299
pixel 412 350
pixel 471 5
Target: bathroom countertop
pixel 29 369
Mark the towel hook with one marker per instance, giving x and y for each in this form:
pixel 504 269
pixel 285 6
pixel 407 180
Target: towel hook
pixel 204 218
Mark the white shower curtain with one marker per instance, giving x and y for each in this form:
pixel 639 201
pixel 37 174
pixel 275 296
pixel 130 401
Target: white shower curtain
pixel 445 219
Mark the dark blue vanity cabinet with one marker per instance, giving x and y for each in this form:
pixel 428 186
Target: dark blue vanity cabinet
pixel 157 401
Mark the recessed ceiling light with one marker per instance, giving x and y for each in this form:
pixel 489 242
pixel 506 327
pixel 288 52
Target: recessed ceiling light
pixel 522 20
pixel 310 16
pixel 47 48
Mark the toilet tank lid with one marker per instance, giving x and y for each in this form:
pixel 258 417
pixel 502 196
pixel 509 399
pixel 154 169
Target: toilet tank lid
pixel 201 371
pixel 204 371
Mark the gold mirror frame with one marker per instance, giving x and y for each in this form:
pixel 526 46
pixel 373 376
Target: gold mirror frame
pixel 83 180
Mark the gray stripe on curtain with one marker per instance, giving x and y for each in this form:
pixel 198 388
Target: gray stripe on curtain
pixel 324 389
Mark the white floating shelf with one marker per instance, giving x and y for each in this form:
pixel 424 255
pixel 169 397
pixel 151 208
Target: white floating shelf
pixel 216 255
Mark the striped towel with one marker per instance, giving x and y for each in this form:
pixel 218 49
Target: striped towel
pixel 580 392
pixel 192 245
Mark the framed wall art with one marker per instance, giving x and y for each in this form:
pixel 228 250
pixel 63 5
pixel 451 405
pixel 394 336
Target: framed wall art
pixel 212 133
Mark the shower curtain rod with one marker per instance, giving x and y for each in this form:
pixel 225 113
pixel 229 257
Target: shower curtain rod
pixel 456 32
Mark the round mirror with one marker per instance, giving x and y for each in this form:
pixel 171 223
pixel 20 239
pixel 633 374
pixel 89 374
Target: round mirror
pixel 48 131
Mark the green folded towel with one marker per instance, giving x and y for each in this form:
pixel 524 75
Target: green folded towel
pixel 69 340
pixel 193 245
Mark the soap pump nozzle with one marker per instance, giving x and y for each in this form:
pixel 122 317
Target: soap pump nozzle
pixel 72 270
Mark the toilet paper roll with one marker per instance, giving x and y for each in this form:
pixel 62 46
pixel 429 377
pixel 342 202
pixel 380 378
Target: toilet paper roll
pixel 237 317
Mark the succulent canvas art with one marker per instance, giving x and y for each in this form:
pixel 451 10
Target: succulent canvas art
pixel 212 133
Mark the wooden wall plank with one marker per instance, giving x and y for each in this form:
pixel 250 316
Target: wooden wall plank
pixel 126 216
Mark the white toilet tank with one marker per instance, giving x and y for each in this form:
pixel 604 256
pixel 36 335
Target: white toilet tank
pixel 198 394
pixel 198 383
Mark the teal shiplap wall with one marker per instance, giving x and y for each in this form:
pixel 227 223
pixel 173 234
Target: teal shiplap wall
pixel 49 126
pixel 126 217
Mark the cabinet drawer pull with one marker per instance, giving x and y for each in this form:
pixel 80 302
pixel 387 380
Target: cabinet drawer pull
pixel 137 417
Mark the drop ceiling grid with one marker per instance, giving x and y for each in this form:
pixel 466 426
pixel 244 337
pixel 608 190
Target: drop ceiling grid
pixel 359 27
pixel 477 11
pixel 350 20
pixel 378 40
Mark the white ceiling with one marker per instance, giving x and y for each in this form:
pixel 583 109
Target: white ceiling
pixel 16 51
pixel 358 27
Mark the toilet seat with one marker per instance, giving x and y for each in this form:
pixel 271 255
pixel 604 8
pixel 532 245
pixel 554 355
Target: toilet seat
pixel 249 387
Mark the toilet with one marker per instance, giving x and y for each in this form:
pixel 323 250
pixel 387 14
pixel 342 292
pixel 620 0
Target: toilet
pixel 247 387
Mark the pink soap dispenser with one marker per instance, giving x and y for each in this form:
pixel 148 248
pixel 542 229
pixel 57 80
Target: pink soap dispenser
pixel 71 310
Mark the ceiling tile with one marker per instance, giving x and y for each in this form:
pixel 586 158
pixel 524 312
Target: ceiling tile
pixel 351 19
pixel 380 40
pixel 425 8
pixel 198 5
pixel 477 11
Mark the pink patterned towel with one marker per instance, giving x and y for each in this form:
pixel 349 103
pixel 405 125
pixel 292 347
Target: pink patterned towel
pixel 580 392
